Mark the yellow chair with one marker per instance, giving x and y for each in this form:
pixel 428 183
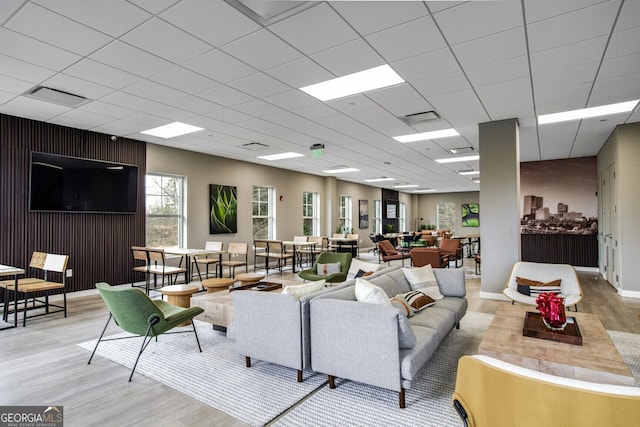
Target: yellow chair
pixel 490 392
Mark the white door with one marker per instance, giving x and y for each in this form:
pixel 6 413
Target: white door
pixel 610 225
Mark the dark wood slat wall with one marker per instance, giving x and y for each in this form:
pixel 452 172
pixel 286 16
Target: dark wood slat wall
pixel 575 249
pixel 98 245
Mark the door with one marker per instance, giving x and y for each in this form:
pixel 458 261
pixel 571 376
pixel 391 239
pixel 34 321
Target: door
pixel 610 225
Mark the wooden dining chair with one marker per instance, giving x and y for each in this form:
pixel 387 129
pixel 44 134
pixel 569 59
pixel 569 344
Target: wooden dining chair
pixel 237 257
pixel 158 266
pixel 209 246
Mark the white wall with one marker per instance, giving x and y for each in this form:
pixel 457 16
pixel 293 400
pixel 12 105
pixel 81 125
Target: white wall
pixel 428 209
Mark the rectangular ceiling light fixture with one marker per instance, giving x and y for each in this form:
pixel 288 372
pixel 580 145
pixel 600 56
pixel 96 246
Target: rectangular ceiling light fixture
pixel 426 190
pixel 458 159
pixel 281 156
pixel 444 133
pixel 586 113
pixel 406 186
pixel 342 169
pixel 351 84
pixel 171 130
pixel 469 172
pixel 384 178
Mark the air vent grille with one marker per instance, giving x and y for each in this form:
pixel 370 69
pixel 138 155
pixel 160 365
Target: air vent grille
pixel 425 116
pixel 254 146
pixel 56 96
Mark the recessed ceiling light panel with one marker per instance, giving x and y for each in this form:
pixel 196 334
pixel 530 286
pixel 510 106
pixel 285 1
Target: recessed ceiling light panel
pixel 586 113
pixel 351 84
pixel 342 169
pixel 406 186
pixel 281 156
pixel 384 178
pixel 172 130
pixel 444 133
pixel 458 159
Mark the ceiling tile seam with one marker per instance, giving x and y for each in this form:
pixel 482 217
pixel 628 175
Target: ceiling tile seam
pixel 533 95
pixel 595 77
pixel 455 57
pixel 15 12
pixel 568 12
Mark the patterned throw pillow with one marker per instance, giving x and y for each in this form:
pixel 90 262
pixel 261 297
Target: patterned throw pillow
pixel 414 301
pixel 329 268
pixel 423 279
pixel 362 273
pixel 533 288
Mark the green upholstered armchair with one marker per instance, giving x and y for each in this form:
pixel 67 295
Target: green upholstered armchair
pixel 137 314
pixel 344 258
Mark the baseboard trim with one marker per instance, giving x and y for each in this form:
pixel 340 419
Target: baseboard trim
pixel 629 294
pixel 588 269
pixel 494 295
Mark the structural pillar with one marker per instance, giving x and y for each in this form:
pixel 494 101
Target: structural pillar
pixel 499 204
pixel 329 206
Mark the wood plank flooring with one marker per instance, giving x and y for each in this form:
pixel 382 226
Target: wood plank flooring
pixel 41 364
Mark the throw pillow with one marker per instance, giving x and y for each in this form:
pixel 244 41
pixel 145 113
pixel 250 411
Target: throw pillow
pixel 362 273
pixel 533 288
pixel 357 265
pixel 423 279
pixel 370 293
pixel 299 291
pixel 415 301
pixel 329 268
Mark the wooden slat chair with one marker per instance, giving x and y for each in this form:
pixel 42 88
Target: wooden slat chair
pixel 158 266
pixel 237 257
pixel 260 250
pixel 36 273
pixel 209 246
pixel 140 264
pixel 38 289
pixel 312 252
pixel 274 251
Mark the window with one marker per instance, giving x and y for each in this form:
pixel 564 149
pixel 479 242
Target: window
pixel 446 216
pixel 402 220
pixel 344 215
pixel 263 212
pixel 310 214
pixel 377 216
pixel 165 216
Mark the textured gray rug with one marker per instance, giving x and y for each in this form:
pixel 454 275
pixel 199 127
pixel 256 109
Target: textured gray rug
pixel 269 394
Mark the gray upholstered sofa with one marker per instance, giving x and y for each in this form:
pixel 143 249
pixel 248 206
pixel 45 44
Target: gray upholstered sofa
pixel 360 341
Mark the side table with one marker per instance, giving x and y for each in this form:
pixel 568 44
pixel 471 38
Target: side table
pixel 180 295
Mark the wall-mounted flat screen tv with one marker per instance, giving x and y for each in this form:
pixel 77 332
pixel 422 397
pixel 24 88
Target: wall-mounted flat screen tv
pixel 72 184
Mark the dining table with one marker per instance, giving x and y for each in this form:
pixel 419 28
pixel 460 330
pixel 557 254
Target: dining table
pixel 344 244
pixel 189 256
pixel 296 245
pixel 7 270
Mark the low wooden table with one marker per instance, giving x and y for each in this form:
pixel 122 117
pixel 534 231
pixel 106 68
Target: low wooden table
pixel 180 295
pixel 596 360
pixel 248 278
pixel 217 283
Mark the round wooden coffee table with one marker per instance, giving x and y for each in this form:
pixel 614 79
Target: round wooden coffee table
pixel 180 295
pixel 217 283
pixel 249 278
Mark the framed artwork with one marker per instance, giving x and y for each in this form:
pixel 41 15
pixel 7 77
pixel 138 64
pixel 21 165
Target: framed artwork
pixel 392 210
pixel 363 213
pixel 470 215
pixel 223 209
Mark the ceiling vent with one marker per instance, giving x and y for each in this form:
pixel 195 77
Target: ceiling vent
pixel 56 96
pixel 254 146
pixel 461 150
pixel 425 116
pixel 266 13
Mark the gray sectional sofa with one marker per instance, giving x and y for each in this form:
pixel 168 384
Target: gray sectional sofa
pixel 362 342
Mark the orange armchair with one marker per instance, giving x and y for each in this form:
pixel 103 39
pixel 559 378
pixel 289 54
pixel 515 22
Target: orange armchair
pixel 453 248
pixel 388 253
pixel 423 256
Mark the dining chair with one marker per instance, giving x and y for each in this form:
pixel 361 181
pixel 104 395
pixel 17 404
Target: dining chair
pixel 158 266
pixel 236 252
pixel 136 313
pixel 209 246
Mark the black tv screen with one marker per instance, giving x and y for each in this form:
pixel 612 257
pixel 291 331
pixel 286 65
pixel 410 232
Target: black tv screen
pixel 72 184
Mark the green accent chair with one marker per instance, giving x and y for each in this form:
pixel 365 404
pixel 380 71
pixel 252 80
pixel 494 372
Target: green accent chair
pixel 344 258
pixel 136 313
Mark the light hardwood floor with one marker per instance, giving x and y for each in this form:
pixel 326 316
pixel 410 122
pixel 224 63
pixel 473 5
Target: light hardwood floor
pixel 41 364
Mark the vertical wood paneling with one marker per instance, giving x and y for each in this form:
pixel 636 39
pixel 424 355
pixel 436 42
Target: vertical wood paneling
pixel 575 249
pixel 98 244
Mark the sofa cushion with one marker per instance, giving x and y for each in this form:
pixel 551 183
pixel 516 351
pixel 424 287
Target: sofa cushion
pixel 534 288
pixel 299 291
pixel 393 283
pixel 328 268
pixel 439 319
pixel 423 279
pixel 413 360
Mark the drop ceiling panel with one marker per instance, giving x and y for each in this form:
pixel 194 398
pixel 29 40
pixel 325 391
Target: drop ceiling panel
pixel 90 70
pixel 587 23
pixel 504 16
pixel 42 24
pixel 571 55
pixel 31 108
pixel 13 86
pixel 215 22
pixel 620 66
pixel 77 86
pixel 590 136
pixel 259 85
pixel 562 98
pixel 155 91
pixel 300 72
pixel 229 115
pixel 219 66
pixel 113 17
pixel 195 105
pixel 504 89
pixel 291 99
pixel 258 108
pixel 124 128
pixel 126 100
pixel 628 16
pixel 556 139
pixel 427 65
pixel 314 29
pixel 316 112
pixel 509 107
pixel 130 59
pixel 529 148
pixel 22 70
pixel 170 113
pixel 8 7
pixel 509 69
pixel 185 80
pixel 262 49
pixel 225 95
pixel 616 89
pixel 154 6
pixel 443 84
pixel 493 48
pixel 80 119
pixel 624 43
pixel 34 51
pixel 407 40
pixel 539 10
pixel 379 16
pixel 109 110
pixel 582 74
pixel 348 58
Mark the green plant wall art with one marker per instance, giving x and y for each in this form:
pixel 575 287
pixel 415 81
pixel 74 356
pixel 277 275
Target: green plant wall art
pixel 223 209
pixel 471 215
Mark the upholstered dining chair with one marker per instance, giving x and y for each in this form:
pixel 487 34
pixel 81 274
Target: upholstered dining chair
pixel 423 256
pixel 344 258
pixel 388 253
pixel 453 248
pixel 136 313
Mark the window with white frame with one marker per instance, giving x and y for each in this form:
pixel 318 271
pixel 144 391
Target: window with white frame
pixel 263 212
pixel 165 212
pixel 402 218
pixel 310 214
pixel 377 216
pixel 345 224
pixel 446 219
